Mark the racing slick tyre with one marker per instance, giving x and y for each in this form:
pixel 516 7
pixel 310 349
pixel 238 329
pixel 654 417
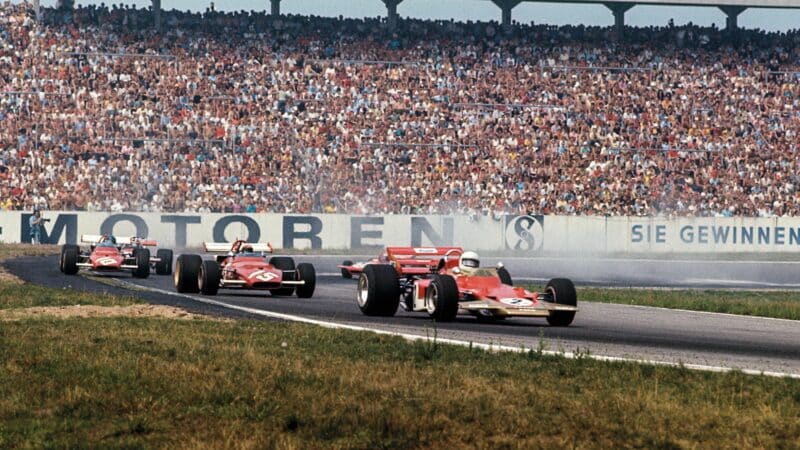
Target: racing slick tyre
pixel 441 298
pixel 164 265
pixel 346 274
pixel 187 269
pixel 505 277
pixel 286 264
pixel 69 259
pixel 378 292
pixel 208 278
pixel 61 259
pixel 563 292
pixel 142 258
pixel 306 274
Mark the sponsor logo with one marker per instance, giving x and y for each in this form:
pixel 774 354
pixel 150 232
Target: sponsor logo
pixel 425 250
pixel 516 301
pixel 524 233
pixel 106 261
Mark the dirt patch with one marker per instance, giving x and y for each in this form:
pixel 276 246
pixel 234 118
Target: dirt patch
pixel 85 311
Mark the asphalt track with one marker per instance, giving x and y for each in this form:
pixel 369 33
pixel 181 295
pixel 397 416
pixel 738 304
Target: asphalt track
pixel 616 331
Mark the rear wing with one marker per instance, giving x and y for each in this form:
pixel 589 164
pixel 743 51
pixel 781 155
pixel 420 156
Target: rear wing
pixel 225 247
pixel 420 260
pixel 121 240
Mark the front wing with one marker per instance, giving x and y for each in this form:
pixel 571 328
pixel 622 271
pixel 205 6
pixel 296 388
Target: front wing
pixel 514 307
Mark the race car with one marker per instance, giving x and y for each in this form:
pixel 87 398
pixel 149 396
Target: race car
pixel 243 266
pixel 107 253
pixel 349 268
pixel 444 281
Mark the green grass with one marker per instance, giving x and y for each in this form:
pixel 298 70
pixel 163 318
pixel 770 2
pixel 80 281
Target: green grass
pixel 777 304
pixel 17 250
pixel 151 382
pixel 18 295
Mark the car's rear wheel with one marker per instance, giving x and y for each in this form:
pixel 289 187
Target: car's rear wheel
pixel 186 271
pixel 208 278
pixel 286 265
pixel 441 298
pixel 563 292
pixel 505 276
pixel 306 274
pixel 164 265
pixel 378 292
pixel 346 274
pixel 69 259
pixel 142 258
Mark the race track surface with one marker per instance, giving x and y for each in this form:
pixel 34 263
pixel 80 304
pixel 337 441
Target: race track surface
pixel 640 333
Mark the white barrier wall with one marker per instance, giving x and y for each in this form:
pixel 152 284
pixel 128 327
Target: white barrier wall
pixel 517 234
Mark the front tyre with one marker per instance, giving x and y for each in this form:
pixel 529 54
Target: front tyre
pixel 69 259
pixel 505 277
pixel 208 278
pixel 563 292
pixel 378 292
pixel 142 259
pixel 441 298
pixel 187 268
pixel 286 265
pixel 306 274
pixel 164 265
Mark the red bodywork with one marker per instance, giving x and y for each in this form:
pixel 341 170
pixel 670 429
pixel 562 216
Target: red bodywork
pixel 253 272
pixel 358 267
pixel 106 258
pixel 480 290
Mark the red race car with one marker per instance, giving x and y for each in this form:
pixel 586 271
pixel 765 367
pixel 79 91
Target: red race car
pixel 444 281
pixel 349 268
pixel 244 266
pixel 108 253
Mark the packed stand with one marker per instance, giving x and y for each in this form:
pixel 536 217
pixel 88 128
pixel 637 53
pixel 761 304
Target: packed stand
pixel 242 112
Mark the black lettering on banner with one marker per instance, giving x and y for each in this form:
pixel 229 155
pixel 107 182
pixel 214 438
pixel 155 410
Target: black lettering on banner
pixel 253 230
pixel 420 226
pixel 357 233
pixel 290 234
pixel 180 227
pixel 63 222
pixel 526 233
pixel 107 227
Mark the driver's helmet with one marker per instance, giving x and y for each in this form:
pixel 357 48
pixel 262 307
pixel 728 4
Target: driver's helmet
pixel 469 261
pixel 107 239
pixel 246 249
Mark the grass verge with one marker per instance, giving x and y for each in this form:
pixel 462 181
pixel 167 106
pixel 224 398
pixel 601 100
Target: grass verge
pixel 776 304
pixel 154 382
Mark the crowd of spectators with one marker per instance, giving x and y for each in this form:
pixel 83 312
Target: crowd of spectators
pixel 244 112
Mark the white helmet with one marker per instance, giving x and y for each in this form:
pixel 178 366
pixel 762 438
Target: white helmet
pixel 469 261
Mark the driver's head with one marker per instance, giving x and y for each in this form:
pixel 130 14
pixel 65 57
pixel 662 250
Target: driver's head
pixel 469 261
pixel 247 249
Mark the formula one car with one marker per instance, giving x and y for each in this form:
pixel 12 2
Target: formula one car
pixel 108 253
pixel 349 268
pixel 244 266
pixel 444 281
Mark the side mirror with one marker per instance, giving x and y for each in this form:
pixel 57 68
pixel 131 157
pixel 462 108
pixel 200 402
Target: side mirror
pixel 500 265
pixel 456 270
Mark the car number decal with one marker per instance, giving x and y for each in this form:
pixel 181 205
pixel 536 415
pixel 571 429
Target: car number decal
pixel 516 301
pixel 263 276
pixel 106 261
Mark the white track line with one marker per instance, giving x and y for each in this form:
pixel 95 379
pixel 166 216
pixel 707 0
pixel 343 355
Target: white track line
pixel 487 347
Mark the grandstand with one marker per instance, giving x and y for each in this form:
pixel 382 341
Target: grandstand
pixel 241 112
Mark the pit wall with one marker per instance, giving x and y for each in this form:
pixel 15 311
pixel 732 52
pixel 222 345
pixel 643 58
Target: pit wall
pixel 507 234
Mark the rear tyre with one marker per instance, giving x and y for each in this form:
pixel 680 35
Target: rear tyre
pixel 285 264
pixel 164 266
pixel 69 259
pixel 346 274
pixel 505 277
pixel 208 278
pixel 378 292
pixel 61 260
pixel 563 292
pixel 441 298
pixel 306 274
pixel 142 258
pixel 187 268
